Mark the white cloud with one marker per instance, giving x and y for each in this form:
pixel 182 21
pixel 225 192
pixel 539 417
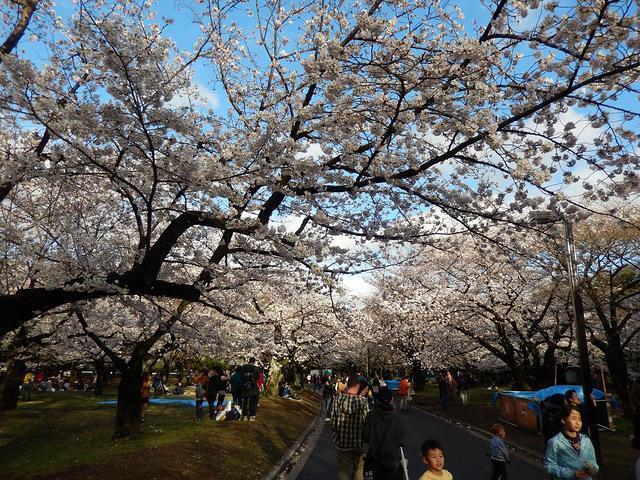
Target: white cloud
pixel 201 96
pixel 357 285
pixel 291 222
pixel 344 241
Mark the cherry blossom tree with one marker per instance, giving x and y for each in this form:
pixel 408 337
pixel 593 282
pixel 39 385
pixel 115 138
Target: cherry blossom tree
pixel 354 118
pixel 452 307
pixel 384 120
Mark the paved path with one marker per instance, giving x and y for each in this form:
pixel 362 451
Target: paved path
pixel 465 452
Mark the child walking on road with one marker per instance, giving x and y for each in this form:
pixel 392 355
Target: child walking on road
pixel 433 458
pixel 498 452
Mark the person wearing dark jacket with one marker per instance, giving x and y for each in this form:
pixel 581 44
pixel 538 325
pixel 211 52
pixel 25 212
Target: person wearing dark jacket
pixel 385 432
pixel 236 385
pixel 249 390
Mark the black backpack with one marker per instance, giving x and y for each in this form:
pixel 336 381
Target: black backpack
pixel 248 382
pixel 232 414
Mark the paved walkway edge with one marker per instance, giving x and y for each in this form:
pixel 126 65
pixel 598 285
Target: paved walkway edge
pixel 524 453
pixel 289 459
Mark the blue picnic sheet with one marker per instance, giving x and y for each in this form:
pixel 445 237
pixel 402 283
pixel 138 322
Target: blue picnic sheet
pixel 185 402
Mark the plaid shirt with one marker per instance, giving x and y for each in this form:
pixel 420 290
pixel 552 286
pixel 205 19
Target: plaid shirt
pixel 347 419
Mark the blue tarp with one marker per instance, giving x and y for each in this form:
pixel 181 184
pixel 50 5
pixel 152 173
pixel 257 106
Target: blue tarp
pixel 393 384
pixel 185 402
pixel 543 394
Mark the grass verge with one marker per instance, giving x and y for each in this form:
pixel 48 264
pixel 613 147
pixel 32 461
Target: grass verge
pixel 68 435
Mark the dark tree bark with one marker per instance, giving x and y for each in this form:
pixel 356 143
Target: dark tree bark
pixel 10 384
pixel 617 365
pixel 129 408
pixel 99 366
pixel 418 376
pixel 166 370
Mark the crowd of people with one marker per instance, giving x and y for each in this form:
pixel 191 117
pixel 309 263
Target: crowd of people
pixel 369 435
pixel 42 382
pixel 367 430
pixel 244 385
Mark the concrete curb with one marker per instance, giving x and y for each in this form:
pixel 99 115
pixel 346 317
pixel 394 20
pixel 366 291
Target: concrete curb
pixel 524 453
pixel 290 457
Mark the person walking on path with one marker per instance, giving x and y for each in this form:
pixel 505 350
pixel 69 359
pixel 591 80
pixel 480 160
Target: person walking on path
pixel 403 393
pixel 249 390
pixel 340 385
pixel 446 387
pixel 463 388
pixel 327 398
pixel 385 433
pixel 570 454
pixel 348 414
pixel 498 452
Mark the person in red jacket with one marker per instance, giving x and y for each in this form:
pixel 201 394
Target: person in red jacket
pixel 260 382
pixel 403 393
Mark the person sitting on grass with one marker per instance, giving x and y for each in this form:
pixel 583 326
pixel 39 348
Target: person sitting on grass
pixel 178 389
pixel 570 454
pixel 433 458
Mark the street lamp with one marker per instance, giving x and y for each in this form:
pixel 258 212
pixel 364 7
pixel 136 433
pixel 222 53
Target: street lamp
pixel 548 217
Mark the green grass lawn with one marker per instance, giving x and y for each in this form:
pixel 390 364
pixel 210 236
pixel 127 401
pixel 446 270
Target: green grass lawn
pixel 617 453
pixel 68 435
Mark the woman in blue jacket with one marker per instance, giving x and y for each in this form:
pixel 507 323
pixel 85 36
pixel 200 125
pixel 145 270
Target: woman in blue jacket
pixel 570 454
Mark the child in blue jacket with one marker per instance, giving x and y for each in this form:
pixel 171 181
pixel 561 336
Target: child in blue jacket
pixel 570 454
pixel 498 452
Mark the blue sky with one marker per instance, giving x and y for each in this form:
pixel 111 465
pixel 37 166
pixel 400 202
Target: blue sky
pixel 184 31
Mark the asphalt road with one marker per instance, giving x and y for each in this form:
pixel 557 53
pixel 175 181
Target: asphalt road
pixel 464 451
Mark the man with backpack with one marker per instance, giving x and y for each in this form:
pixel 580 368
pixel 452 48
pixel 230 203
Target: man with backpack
pixel 249 390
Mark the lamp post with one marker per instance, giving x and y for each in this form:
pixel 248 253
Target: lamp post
pixel 546 217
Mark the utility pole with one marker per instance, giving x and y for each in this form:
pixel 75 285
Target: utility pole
pixel 546 217
pixel 581 338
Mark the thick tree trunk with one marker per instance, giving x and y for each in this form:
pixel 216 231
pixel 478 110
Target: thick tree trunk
pixel 547 371
pixel 100 382
pixel 418 376
pixel 128 410
pixel 10 384
pixel 617 365
pixel 275 373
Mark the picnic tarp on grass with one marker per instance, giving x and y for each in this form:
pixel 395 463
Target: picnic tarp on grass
pixel 185 402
